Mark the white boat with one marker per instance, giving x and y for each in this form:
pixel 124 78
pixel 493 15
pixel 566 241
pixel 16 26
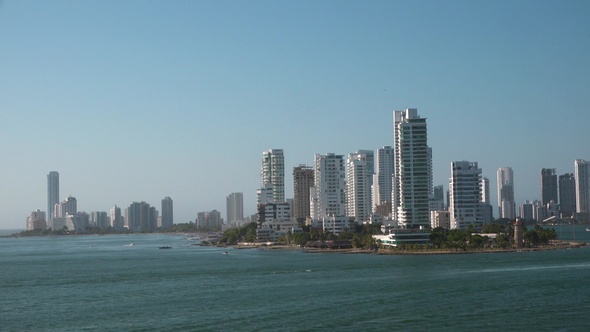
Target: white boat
pixel 587 229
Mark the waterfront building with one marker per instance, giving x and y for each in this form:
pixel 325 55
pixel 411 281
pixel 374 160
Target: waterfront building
pixel 141 216
pixel 382 179
pixel 273 173
pixel 411 178
pixel 99 219
pixel 36 221
pixel 328 198
pixel 116 220
pixel 235 208
pixel 167 218
pixel 539 210
pixel 548 185
pixel 582 179
pixel 399 237
pixel 209 220
pixel 69 206
pixel 465 207
pixel 506 204
pixel 567 195
pixel 485 190
pixel 303 181
pixel 52 194
pixel 358 203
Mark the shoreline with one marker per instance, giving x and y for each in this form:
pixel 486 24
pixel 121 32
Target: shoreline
pixel 560 245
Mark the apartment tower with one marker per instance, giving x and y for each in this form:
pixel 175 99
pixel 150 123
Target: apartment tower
pixel 411 178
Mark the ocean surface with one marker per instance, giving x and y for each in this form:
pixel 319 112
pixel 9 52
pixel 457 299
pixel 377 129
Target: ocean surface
pixel 126 283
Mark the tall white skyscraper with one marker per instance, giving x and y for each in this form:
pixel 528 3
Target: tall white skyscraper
pixel 52 194
pixel 328 198
pixel 167 213
pixel 235 208
pixel 582 180
pixel 506 203
pixel 358 193
pixel 465 206
pixel 411 180
pixel 273 173
pixel 382 183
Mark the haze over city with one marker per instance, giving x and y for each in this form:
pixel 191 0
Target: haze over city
pixel 136 101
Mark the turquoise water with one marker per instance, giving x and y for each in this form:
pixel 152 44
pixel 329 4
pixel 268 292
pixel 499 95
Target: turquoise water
pixel 102 283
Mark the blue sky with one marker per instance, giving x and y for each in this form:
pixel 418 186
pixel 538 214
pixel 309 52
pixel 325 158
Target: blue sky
pixel 138 100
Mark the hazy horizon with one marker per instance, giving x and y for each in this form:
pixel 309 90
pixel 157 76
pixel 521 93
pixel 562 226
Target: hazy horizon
pixel 136 101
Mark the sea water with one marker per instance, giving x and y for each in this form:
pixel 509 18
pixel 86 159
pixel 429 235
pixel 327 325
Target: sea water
pixel 126 283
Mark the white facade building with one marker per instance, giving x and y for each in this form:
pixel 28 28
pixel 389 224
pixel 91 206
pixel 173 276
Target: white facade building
pixel 116 219
pixel 465 206
pixel 273 173
pixel 412 178
pixel 36 220
pixel 329 191
pixel 358 203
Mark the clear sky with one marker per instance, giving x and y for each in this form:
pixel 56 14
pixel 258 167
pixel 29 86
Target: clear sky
pixel 138 100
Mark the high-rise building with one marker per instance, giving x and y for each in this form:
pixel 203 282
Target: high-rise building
pixel 235 208
pixel 303 181
pixel 69 206
pixel 116 219
pixel 358 193
pixel 141 216
pixel 273 173
pixel 167 213
pixel 567 195
pixel 485 190
pixel 411 180
pixel 328 193
pixel 36 220
pixel 52 194
pixel 465 207
pixel 99 219
pixel 437 201
pixel 548 185
pixel 382 180
pixel 209 220
pixel 506 203
pixel 582 179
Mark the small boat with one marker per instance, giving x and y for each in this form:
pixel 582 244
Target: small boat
pixel 165 247
pixel 587 229
pixel 225 253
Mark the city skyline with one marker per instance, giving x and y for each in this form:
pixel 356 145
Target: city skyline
pixel 136 103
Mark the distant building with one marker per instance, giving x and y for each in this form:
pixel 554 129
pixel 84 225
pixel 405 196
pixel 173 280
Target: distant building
pixel 399 237
pixel 116 221
pixel 234 204
pixel 582 179
pixel 465 207
pixel 303 181
pixel 69 206
pixel 273 173
pixel 328 198
pixel 209 220
pixel 36 221
pixel 506 204
pixel 100 219
pixel 140 216
pixel 437 200
pixel 567 195
pixel 526 211
pixel 358 188
pixel 548 185
pixel 382 180
pixel 440 219
pixel 167 219
pixel 52 194
pixel 412 178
